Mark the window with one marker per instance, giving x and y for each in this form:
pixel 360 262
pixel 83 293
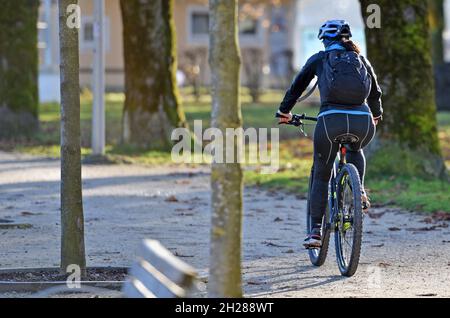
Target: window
pixel 87 33
pixel 197 25
pixel 248 26
pixel 200 23
pixel 44 39
pixel 250 30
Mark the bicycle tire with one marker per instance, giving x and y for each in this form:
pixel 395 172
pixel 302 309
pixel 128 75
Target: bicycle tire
pixel 348 267
pixel 317 256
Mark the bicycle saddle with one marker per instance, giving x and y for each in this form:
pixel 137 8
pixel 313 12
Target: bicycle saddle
pixel 346 139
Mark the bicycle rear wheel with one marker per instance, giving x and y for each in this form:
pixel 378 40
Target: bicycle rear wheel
pixel 348 235
pixel 317 256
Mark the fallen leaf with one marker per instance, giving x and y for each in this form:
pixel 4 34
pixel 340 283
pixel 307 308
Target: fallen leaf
pixel 172 198
pixel 272 244
pixel 441 216
pixel 278 220
pixel 422 229
pixel 376 215
pixel 92 220
pixel 26 213
pixel 428 220
pixel 15 226
pixel 254 283
pixel 429 228
pixel 184 182
pixel 257 210
pixel 185 214
pixel 185 256
pixel 183 210
pixel 384 265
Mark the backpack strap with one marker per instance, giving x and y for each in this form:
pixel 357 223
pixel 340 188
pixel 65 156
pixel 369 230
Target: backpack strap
pixel 311 91
pixel 307 95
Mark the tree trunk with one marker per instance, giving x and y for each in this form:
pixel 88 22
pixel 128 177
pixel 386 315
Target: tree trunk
pixel 441 70
pixel 253 65
pixel 152 107
pixel 400 51
pixel 437 26
pixel 18 68
pixel 72 221
pixel 226 179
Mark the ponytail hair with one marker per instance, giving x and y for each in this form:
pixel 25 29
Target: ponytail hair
pixel 349 45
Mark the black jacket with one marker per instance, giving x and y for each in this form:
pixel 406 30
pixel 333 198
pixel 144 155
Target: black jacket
pixel 314 67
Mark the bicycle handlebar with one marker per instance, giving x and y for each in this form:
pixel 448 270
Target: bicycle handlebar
pixel 297 120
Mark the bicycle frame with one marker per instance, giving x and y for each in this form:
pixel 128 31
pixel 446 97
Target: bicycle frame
pixel 297 121
pixel 339 217
pixel 332 200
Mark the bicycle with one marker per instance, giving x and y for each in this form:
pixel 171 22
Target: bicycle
pixel 344 213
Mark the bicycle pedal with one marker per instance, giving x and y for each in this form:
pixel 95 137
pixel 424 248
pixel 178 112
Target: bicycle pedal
pixel 347 226
pixel 312 247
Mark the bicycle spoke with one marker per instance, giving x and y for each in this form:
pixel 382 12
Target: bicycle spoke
pixel 348 236
pixel 348 244
pixel 346 217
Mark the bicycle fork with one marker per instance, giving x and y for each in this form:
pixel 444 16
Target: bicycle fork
pixel 336 217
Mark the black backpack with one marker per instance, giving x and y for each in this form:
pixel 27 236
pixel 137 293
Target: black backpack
pixel 346 78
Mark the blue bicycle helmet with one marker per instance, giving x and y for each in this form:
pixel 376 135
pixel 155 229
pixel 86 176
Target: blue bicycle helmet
pixel 335 29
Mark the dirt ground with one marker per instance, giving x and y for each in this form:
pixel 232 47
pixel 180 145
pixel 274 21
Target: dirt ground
pixel 404 254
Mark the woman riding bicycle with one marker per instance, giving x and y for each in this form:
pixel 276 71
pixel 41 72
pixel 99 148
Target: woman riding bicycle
pixel 350 105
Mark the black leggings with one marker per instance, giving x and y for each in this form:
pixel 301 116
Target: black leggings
pixel 328 128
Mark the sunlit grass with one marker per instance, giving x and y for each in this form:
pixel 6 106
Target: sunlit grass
pixel 444 135
pixel 295 151
pixel 52 151
pixel 413 194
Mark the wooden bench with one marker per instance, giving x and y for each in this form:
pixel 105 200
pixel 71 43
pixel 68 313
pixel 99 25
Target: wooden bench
pixel 159 274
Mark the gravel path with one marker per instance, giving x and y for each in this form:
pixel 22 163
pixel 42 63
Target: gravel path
pixel 403 255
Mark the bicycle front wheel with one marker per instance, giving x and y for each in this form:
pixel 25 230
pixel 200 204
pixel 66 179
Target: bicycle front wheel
pixel 349 223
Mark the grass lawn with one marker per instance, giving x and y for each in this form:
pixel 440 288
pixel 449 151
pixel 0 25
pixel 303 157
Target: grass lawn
pixel 295 151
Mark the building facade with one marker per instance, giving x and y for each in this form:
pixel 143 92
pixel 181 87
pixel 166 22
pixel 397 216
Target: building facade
pixel 266 33
pixel 276 39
